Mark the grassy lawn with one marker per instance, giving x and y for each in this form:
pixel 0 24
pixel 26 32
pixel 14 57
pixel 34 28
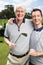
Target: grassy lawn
pixel 4 50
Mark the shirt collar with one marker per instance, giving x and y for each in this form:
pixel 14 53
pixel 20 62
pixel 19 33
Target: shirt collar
pixel 15 21
pixel 39 29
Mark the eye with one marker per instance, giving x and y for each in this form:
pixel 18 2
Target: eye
pixel 38 15
pixel 22 11
pixel 17 11
pixel 33 16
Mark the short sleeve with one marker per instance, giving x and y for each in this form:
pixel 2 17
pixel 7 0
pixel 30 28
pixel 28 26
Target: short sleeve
pixel 6 31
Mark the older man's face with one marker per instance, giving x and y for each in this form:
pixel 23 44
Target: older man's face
pixel 20 13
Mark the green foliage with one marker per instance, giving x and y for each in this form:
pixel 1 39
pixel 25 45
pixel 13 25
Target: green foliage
pixel 42 21
pixel 28 15
pixel 8 12
pixel 3 21
pixel 3 25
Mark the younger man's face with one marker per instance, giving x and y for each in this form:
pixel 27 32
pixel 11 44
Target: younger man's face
pixel 36 17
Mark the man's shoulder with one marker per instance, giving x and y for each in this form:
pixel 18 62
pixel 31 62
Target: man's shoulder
pixel 8 24
pixel 28 21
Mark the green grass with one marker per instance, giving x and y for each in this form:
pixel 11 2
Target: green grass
pixel 4 50
pixel 1 39
pixel 3 53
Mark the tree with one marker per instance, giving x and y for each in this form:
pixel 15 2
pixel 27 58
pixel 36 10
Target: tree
pixel 28 15
pixel 9 11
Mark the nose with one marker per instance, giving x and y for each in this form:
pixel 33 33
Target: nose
pixel 20 12
pixel 35 17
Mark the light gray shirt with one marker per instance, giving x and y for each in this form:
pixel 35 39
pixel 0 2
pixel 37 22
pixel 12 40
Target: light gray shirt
pixel 36 43
pixel 22 44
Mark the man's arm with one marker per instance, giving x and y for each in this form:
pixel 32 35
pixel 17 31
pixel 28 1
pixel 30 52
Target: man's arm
pixel 11 45
pixel 35 53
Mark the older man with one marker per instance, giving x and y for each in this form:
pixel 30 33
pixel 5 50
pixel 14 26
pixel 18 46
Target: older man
pixel 17 37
